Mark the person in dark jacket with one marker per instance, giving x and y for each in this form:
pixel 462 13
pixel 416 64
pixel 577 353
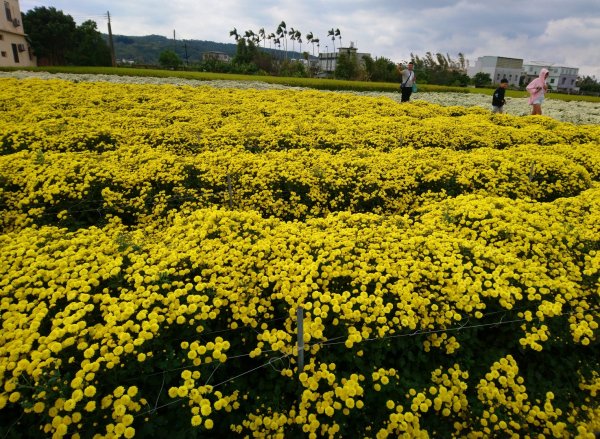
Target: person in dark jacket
pixel 498 100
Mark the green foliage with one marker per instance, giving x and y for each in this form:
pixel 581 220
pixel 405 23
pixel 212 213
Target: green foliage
pixel 246 52
pixel 91 49
pixel 441 69
pixel 346 66
pixel 52 34
pixel 381 69
pixel 169 59
pixel 56 40
pixel 292 69
pixel 482 79
pixel 589 84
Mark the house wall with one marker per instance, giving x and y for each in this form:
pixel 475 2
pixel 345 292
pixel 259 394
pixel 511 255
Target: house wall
pixel 328 60
pixel 218 56
pixel 498 67
pixel 561 78
pixel 14 49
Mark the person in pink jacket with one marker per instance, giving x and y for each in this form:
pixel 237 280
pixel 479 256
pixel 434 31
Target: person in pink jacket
pixel 537 89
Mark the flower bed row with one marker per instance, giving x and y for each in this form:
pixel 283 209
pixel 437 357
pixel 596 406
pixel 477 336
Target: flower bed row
pixel 116 330
pixel 572 111
pixel 103 116
pixel 77 189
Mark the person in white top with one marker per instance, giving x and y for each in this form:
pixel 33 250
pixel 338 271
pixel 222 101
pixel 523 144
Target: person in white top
pixel 408 79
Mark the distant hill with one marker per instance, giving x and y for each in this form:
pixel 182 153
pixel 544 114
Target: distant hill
pixel 147 49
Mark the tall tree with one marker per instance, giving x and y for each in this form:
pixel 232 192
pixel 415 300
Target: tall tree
pixel 588 84
pixel 169 59
pixel 52 34
pixel 331 33
pixel 292 34
pixel 442 62
pixel 282 33
pixel 462 62
pixel 381 69
pixel 298 36
pixel 310 40
pixel 270 37
pixel 91 48
pixel 339 35
pixel 246 51
pixel 346 66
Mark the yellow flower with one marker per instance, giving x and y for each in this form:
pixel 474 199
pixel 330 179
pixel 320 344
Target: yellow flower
pixel 89 391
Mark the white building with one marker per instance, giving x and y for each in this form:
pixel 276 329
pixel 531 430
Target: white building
pixel 14 49
pixel 498 67
pixel 560 79
pixel 328 60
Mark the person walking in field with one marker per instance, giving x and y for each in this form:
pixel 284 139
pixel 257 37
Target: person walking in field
pixel 498 100
pixel 537 90
pixel 408 80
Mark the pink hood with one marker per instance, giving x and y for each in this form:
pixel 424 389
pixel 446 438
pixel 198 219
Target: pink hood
pixel 537 87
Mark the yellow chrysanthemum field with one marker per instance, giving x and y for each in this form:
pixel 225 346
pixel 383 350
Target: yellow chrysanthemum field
pixel 159 244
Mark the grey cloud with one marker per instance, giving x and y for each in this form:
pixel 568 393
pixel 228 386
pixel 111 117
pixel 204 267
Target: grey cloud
pixel 564 32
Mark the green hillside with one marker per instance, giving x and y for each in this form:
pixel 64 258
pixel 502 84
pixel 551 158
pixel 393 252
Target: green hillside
pixel 147 49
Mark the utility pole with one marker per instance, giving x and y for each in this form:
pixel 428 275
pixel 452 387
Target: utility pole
pixel 110 42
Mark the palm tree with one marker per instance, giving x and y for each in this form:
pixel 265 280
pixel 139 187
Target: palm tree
pixel 461 62
pixel 251 36
pixel 261 34
pixel 338 34
pixel 277 42
pixel 292 34
pixel 282 33
pixel 270 37
pixel 309 39
pixel 298 36
pixel 234 33
pixel 331 33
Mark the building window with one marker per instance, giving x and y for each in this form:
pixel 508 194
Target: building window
pixel 15 50
pixel 498 76
pixel 7 10
pixel 564 79
pixel 552 81
pixel 3 54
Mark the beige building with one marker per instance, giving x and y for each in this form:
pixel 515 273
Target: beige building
pixel 14 49
pixel 216 56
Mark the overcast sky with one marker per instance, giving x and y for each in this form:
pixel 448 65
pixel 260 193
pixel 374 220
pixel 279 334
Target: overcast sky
pixel 559 32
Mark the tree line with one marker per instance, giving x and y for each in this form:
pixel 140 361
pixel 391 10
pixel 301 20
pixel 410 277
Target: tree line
pixel 57 40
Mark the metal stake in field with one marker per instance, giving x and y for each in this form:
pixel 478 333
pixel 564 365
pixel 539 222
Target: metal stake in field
pixel 300 322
